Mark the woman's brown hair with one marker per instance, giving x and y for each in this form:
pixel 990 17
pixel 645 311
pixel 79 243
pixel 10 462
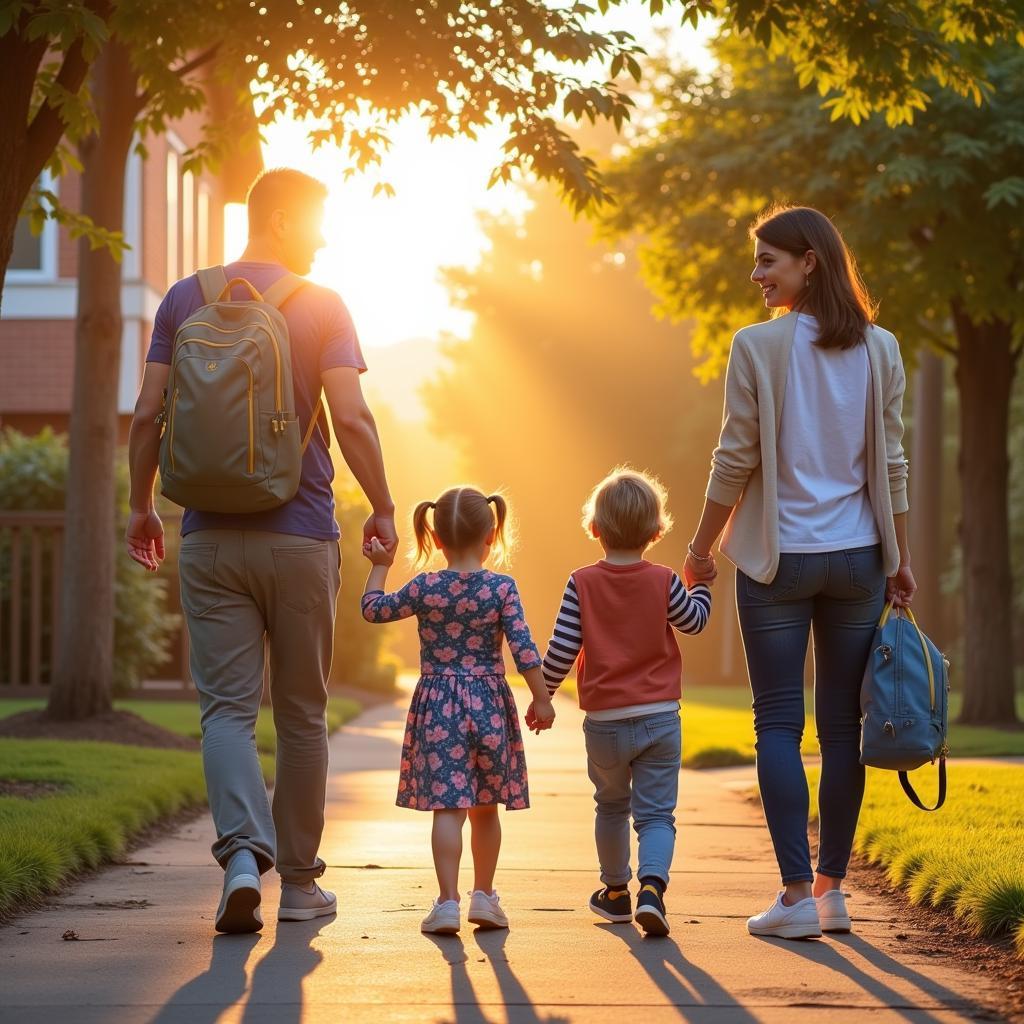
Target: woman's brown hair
pixel 462 517
pixel 835 293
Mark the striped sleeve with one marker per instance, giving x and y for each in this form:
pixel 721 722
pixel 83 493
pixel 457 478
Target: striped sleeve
pixel 688 610
pixel 566 641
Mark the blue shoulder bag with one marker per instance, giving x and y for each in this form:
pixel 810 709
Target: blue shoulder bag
pixel 904 702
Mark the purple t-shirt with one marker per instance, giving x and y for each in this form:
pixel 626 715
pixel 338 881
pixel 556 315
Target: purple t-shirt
pixel 322 336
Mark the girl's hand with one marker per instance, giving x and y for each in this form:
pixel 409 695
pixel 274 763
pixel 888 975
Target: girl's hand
pixel 377 553
pixel 540 715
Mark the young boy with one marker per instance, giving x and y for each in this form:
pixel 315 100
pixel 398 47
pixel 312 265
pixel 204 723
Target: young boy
pixel 617 616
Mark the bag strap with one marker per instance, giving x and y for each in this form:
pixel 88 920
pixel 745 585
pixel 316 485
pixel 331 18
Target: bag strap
pixel 277 295
pixel 915 799
pixel 283 289
pixel 212 281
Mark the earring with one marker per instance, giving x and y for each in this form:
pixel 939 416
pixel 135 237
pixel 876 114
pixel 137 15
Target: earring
pixel 807 281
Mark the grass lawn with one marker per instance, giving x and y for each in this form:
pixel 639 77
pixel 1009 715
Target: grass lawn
pixel 182 716
pixel 96 796
pixel 718 729
pixel 967 857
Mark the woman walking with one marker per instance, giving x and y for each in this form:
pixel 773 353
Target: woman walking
pixel 809 483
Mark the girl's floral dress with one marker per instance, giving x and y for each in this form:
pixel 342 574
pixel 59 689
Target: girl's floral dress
pixel 463 746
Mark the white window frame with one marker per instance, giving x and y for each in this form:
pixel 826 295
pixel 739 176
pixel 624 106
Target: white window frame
pixel 48 239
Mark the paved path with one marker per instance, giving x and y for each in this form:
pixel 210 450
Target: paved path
pixel 147 951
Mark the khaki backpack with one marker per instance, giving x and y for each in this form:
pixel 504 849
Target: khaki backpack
pixel 230 437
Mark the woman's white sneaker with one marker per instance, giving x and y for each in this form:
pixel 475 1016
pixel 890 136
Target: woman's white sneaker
pixel 443 918
pixel 832 913
pixel 485 910
pixel 800 921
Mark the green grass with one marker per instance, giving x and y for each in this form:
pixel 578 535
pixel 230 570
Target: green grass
pixel 968 857
pixel 182 716
pixel 108 792
pixel 718 729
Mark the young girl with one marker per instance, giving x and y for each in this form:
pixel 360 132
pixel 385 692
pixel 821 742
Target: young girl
pixel 463 749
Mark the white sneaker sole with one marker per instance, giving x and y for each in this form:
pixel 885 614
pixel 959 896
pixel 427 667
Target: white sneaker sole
pixel 836 925
pixel 440 928
pixel 485 919
pixel 239 906
pixel 652 920
pixel 785 931
pixel 614 918
pixel 306 913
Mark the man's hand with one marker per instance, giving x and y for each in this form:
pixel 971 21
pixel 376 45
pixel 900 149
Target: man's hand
pixel 383 528
pixel 540 715
pixel 145 539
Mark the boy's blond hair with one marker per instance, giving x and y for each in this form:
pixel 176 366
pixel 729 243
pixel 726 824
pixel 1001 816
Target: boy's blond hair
pixel 628 508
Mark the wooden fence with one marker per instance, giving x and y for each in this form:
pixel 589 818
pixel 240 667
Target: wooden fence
pixel 31 556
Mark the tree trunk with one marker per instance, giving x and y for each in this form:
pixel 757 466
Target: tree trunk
pixel 984 376
pixel 19 63
pixel 926 492
pixel 82 682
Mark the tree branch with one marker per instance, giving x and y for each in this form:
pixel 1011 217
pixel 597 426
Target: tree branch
pixel 182 70
pixel 47 127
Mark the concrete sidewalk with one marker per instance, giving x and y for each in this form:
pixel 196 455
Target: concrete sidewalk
pixel 147 951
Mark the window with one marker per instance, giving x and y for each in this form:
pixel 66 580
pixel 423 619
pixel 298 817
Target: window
pixel 35 256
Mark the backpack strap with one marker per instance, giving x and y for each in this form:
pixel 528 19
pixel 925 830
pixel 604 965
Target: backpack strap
pixel 277 295
pixel 283 289
pixel 212 281
pixel 915 799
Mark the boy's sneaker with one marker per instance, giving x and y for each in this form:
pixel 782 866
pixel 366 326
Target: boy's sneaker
pixel 485 910
pixel 650 911
pixel 832 913
pixel 800 921
pixel 239 910
pixel 443 918
pixel 612 904
pixel 300 904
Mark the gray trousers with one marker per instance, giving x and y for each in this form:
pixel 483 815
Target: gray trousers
pixel 634 765
pixel 248 596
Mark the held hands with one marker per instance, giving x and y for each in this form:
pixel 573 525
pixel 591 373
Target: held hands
pixel 381 527
pixel 699 570
pixel 377 553
pixel 540 715
pixel 144 536
pixel 900 589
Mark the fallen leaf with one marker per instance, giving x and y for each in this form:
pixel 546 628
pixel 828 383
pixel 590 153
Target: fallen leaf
pixel 70 935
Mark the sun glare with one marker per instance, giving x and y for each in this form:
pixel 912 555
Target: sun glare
pixel 384 253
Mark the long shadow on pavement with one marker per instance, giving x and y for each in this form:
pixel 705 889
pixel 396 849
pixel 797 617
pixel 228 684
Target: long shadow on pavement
pixel 277 980
pixel 686 987
pixel 208 995
pixel 464 1000
pixel 492 944
pixel 824 953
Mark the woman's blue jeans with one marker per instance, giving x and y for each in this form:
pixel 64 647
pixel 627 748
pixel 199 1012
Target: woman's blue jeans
pixel 841 594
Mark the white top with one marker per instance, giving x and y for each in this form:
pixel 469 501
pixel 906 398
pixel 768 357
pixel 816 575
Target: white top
pixel 822 453
pixel 633 711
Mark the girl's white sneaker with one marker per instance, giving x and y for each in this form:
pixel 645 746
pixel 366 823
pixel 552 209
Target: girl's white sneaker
pixel 485 910
pixel 832 912
pixel 443 918
pixel 800 921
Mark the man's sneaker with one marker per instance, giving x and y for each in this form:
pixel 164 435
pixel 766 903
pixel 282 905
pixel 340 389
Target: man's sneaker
pixel 300 904
pixel 443 918
pixel 485 910
pixel 650 911
pixel 832 913
pixel 612 904
pixel 239 909
pixel 799 921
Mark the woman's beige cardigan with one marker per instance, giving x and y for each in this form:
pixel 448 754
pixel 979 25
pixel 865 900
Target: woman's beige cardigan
pixel 743 467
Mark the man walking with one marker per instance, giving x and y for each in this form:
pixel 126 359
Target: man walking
pixel 267 580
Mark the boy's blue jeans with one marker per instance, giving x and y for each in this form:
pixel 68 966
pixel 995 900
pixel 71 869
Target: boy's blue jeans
pixel 634 765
